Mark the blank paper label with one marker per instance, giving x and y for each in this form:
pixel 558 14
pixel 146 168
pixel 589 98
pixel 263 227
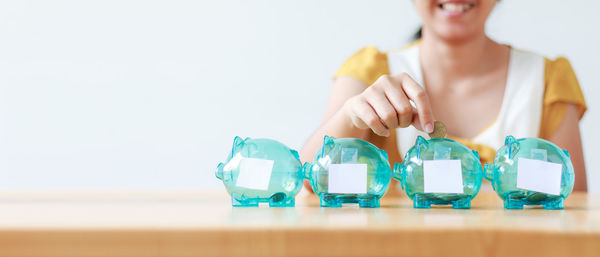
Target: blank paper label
pixel 347 178
pixel 255 173
pixel 442 176
pixel 539 176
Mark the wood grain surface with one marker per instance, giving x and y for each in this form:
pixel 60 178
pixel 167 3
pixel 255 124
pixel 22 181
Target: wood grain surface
pixel 201 223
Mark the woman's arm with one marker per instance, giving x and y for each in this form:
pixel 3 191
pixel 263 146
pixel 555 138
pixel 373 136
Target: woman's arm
pixel 567 136
pixel 338 126
pixel 335 123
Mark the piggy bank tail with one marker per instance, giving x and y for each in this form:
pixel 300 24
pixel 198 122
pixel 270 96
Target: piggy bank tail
pixel 306 170
pixel 397 173
pixel 488 171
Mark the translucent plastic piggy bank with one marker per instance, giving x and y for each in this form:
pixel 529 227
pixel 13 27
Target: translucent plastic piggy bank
pixel 531 171
pixel 440 171
pixel 349 170
pixel 261 170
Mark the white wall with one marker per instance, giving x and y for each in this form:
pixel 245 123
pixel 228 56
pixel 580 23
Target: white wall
pixel 149 94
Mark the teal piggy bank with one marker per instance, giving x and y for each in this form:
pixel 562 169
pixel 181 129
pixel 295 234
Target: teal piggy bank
pixel 440 171
pixel 349 170
pixel 531 171
pixel 261 170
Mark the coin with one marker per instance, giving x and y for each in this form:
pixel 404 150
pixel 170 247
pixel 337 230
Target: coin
pixel 439 130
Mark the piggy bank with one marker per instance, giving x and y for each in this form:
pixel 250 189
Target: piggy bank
pixel 531 171
pixel 261 170
pixel 349 170
pixel 440 171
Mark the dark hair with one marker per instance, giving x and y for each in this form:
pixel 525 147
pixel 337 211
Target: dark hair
pixel 418 34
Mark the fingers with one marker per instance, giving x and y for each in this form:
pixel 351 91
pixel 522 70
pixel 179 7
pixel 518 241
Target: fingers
pixel 401 104
pixel 382 106
pixel 386 105
pixel 416 122
pixel 418 95
pixel 365 117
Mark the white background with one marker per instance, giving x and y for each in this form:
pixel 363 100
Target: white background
pixel 149 94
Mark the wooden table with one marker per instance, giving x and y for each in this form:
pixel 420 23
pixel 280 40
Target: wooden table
pixel 204 224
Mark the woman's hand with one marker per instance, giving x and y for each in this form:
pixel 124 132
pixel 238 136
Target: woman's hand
pixel 385 105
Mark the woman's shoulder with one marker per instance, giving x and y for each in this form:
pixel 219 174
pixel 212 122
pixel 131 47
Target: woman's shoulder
pixel 368 64
pixel 559 71
pixel 561 83
pixel 559 65
pixel 561 90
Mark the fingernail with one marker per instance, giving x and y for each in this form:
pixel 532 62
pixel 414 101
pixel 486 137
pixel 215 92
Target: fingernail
pixel 429 127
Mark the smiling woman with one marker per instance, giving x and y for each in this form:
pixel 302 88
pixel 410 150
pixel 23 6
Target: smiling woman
pixel 481 89
pixel 455 19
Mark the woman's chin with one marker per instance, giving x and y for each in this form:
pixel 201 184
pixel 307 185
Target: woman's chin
pixel 457 33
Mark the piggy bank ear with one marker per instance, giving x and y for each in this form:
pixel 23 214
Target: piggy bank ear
pixel 295 154
pixel 327 140
pixel 476 154
pixel 509 140
pixel 237 143
pixel 421 141
pixel 566 153
pixel 422 144
pixel 328 144
pixel 384 153
pixel 512 146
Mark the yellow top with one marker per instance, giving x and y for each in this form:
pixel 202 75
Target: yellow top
pixel 561 90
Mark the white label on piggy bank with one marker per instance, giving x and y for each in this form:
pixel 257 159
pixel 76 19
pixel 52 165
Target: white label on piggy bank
pixel 254 173
pixel 539 176
pixel 442 176
pixel 347 178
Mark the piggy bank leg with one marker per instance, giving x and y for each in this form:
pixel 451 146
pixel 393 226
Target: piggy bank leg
pixel 242 201
pixel 554 205
pixel 281 200
pixel 513 203
pixel 328 200
pixel 420 201
pixel 368 202
pixel 464 203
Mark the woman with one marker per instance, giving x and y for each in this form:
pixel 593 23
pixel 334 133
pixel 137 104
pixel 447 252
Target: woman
pixel 482 90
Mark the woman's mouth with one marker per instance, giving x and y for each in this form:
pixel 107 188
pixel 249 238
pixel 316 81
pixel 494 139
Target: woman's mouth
pixel 455 8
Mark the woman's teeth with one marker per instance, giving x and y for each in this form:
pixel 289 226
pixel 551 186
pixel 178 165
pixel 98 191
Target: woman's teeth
pixel 455 7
